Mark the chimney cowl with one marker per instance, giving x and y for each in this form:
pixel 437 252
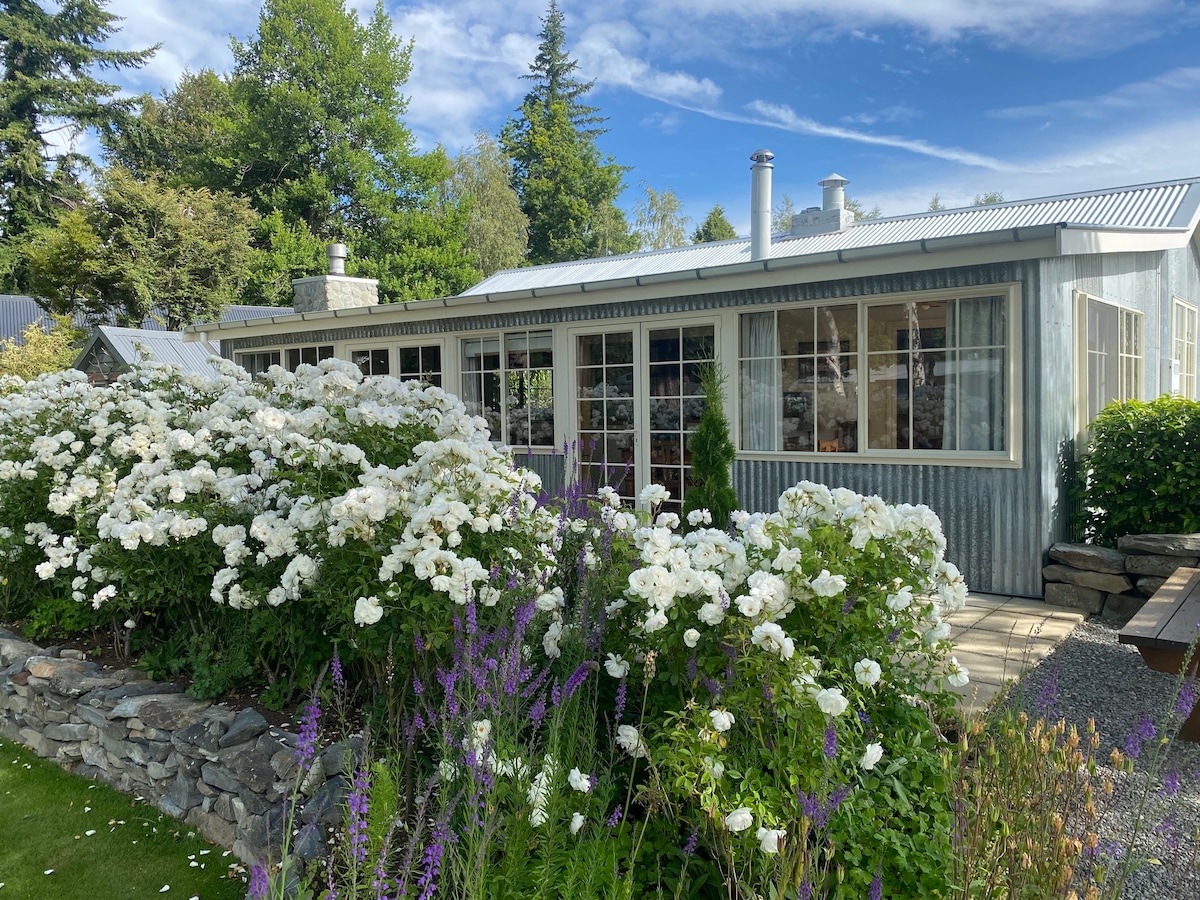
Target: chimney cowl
pixel 833 193
pixel 336 254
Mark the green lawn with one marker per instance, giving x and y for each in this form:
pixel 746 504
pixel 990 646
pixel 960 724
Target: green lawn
pixel 66 838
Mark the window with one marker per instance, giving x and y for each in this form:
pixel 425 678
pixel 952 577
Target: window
pixel 937 377
pixel 372 362
pixel 1184 350
pixel 297 356
pixel 257 363
pixel 509 380
pixel 1113 354
pixel 421 364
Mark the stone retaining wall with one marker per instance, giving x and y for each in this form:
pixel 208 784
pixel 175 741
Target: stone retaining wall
pixel 1116 582
pixel 224 772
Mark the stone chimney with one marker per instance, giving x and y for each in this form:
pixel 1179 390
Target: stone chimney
pixel 335 290
pixel 832 216
pixel 760 204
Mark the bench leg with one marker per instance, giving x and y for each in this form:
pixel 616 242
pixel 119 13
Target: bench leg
pixel 1171 661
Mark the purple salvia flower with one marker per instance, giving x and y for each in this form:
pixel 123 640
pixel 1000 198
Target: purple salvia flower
pixel 1171 784
pixel 847 606
pixel 418 687
pixel 692 668
pixel 335 672
pixel 306 747
pixel 894 636
pixel 578 677
pixel 863 717
pixel 619 701
pixel 830 748
pixel 537 712
pixel 806 889
pixel 1133 745
pixel 875 891
pixel 494 572
pixel 838 797
pixel 1146 730
pixel 690 847
pixel 581 562
pixel 555 695
pixel 512 580
pixel 358 802
pixel 1047 695
pixel 615 818
pixel 1186 700
pixel 418 644
pixel 259 882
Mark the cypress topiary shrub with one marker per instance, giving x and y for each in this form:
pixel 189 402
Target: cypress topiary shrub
pixel 1142 470
pixel 712 455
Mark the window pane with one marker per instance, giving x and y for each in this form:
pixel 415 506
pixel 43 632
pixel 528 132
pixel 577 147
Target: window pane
pixel 887 402
pixel 837 329
pixel 797 333
pixel 664 345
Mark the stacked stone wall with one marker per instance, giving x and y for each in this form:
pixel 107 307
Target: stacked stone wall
pixel 1116 583
pixel 225 772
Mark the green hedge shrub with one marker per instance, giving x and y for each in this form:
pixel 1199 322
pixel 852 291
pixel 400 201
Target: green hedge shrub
pixel 1142 469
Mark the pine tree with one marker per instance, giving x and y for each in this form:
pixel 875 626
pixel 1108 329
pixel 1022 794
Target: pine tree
pixel 566 187
pixel 715 227
pixel 48 93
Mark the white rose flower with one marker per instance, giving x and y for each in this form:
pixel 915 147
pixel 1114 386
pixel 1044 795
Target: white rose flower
pixel 367 611
pixel 826 585
pixel 772 638
pixel 653 494
pixel 577 821
pixel 831 702
pixel 481 733
pixel 616 666
pixel 699 517
pixel 900 600
pixel 714 767
pixel 750 605
pixel 711 614
pixel 872 755
pixel 667 520
pixel 740 819
pixel 769 838
pixel 580 781
pixel 656 621
pixel 691 637
pixel 721 720
pixel 629 740
pixel 956 673
pixel 867 671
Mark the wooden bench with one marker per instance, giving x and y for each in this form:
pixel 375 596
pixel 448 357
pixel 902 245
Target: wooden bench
pixel 1165 627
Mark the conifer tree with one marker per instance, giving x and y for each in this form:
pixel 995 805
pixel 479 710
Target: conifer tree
pixel 715 227
pixel 566 186
pixel 713 453
pixel 49 92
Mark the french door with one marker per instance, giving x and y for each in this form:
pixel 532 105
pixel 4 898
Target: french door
pixel 638 400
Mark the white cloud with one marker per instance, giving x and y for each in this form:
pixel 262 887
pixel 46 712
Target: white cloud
pixel 605 52
pixel 783 116
pixel 899 112
pixel 1140 96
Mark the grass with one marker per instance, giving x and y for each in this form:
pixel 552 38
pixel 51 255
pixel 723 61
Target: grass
pixel 71 839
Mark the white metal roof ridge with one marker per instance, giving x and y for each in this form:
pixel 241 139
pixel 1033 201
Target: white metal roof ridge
pixel 1160 206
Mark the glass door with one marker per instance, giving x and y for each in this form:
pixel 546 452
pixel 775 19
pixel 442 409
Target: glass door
pixel 639 400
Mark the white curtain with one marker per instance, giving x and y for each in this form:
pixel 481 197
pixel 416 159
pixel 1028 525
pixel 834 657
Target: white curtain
pixel 762 399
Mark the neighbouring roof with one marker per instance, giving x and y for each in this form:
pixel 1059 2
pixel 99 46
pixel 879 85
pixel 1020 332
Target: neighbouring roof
pixel 131 345
pixel 18 312
pixel 1170 207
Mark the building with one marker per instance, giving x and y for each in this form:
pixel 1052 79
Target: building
pixel 953 358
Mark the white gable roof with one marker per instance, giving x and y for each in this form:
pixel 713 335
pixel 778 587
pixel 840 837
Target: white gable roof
pixel 1170 209
pixel 132 345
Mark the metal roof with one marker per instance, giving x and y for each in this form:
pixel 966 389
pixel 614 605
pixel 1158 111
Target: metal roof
pixel 1171 206
pixel 131 345
pixel 18 312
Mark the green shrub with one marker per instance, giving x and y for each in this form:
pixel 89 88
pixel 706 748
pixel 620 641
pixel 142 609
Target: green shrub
pixel 1142 469
pixel 712 455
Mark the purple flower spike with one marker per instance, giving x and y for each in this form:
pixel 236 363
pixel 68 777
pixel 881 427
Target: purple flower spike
pixel 830 742
pixel 690 847
pixel 875 892
pixel 615 819
pixel 306 748
pixel 259 882
pixel 335 672
pixel 358 802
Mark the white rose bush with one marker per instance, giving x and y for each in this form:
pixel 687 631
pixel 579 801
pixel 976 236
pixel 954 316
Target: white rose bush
pixel 568 696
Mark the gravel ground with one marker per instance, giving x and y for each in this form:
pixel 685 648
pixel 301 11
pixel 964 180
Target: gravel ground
pixel 1092 675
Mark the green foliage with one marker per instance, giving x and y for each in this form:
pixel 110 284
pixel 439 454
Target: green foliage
pixel 1143 469
pixel 40 350
pixel 936 204
pixel 567 188
pixel 862 215
pixel 282 252
pixel 497 232
pixel 713 452
pixel 49 63
pixel 781 215
pixel 144 247
pixel 660 222
pixel 988 198
pixel 715 227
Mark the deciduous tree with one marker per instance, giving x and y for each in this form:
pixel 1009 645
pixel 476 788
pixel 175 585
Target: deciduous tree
pixel 660 221
pixel 41 349
pixel 497 232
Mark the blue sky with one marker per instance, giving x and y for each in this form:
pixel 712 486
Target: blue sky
pixel 903 97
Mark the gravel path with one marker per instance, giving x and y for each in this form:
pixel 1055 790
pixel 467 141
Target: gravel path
pixel 1092 675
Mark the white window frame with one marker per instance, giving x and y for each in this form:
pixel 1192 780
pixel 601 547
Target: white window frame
pixel 555 375
pixel 300 348
pixel 371 348
pixel 447 371
pixel 1183 349
pixel 240 355
pixel 1131 367
pixel 1011 457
